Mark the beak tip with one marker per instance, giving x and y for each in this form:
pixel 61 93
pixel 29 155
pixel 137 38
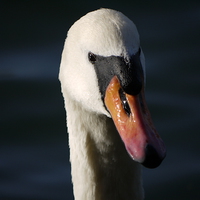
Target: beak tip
pixel 152 159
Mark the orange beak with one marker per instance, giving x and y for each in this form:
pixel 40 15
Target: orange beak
pixel 135 126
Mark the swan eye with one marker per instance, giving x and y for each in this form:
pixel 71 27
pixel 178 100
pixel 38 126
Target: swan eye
pixel 92 57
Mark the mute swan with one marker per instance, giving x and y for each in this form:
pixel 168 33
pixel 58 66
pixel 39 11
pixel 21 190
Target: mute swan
pixel 110 129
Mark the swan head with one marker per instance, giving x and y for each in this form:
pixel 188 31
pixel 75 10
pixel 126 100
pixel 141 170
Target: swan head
pixel 103 69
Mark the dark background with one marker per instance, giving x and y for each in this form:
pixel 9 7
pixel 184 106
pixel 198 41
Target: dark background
pixel 33 140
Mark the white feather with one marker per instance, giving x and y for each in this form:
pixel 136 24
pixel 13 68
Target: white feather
pixel 101 167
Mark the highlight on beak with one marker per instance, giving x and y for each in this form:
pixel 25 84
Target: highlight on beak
pixel 133 122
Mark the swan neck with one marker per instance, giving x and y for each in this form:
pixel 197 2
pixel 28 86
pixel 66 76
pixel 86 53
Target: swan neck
pixel 101 167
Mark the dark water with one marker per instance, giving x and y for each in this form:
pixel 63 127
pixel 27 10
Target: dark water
pixel 33 141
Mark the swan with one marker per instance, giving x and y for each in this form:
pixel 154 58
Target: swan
pixel 102 75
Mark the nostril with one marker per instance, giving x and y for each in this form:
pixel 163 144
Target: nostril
pixel 124 102
pixel 152 158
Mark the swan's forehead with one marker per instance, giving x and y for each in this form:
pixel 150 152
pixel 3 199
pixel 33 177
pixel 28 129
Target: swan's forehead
pixel 107 33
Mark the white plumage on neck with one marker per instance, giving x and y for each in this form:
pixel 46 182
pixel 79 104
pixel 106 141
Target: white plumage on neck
pixel 101 167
